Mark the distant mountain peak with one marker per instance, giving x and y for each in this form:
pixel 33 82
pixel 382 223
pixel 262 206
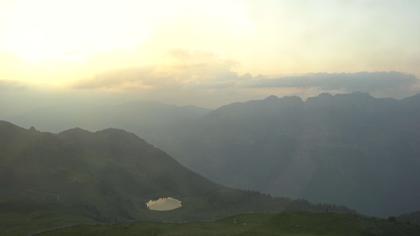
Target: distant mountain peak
pixel 75 131
pixel 119 133
pixel 325 95
pixel 271 98
pixel 111 133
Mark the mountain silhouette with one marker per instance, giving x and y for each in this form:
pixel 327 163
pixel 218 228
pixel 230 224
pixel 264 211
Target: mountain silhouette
pixel 350 149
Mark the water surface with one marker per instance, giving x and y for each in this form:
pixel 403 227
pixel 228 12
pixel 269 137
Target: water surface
pixel 164 204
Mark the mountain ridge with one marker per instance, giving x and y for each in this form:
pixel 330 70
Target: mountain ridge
pixel 307 149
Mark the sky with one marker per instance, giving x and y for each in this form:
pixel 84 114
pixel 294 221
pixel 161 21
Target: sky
pixel 208 52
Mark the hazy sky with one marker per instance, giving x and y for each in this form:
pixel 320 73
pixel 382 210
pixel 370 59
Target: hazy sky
pixel 159 46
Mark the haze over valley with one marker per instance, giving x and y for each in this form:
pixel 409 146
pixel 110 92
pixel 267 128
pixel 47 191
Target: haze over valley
pixel 198 117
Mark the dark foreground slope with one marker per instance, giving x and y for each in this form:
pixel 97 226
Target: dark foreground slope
pixel 52 180
pixel 286 224
pixel 352 149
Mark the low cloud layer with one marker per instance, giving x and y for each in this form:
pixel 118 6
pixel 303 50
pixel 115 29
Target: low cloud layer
pixel 203 79
pixel 377 83
pixel 200 76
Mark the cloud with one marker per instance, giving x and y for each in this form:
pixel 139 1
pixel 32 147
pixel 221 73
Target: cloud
pixel 377 83
pixel 204 79
pixel 186 70
pixel 185 77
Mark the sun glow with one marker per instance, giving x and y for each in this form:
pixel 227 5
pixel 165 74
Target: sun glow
pixel 60 41
pixel 46 30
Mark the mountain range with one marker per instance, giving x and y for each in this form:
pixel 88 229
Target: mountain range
pixel 348 149
pixel 352 149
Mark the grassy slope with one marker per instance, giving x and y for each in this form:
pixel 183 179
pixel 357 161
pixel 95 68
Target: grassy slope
pixel 79 177
pixel 297 224
pixel 14 224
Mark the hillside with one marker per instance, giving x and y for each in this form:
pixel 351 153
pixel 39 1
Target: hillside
pixel 351 149
pixel 52 180
pixel 286 224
